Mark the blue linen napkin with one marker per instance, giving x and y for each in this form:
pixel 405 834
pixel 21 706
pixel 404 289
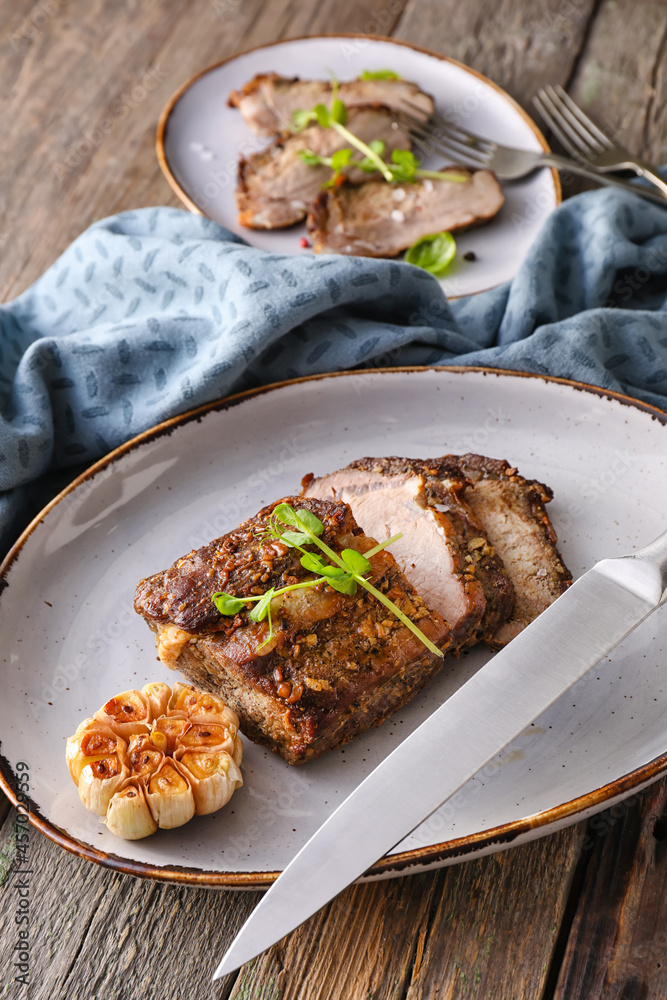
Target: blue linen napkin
pixel 153 312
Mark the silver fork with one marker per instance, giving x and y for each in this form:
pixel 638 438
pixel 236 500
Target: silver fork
pixel 582 137
pixel 437 135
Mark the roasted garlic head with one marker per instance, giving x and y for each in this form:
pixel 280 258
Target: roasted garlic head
pixel 156 758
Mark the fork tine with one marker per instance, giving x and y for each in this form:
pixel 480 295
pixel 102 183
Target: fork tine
pixel 583 118
pixel 446 127
pixel 455 154
pixel 539 103
pixel 580 135
pixel 430 143
pixel 570 139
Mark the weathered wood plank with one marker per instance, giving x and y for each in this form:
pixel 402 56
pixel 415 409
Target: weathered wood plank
pixel 97 935
pixel 475 930
pixel 84 96
pixel 360 946
pixel 497 923
pixel 521 46
pixel 623 87
pixel 618 945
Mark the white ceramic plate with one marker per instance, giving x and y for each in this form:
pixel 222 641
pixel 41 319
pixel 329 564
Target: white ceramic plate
pixel 200 139
pixel 71 638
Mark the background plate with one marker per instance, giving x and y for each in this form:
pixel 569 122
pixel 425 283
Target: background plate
pixel 200 139
pixel 71 638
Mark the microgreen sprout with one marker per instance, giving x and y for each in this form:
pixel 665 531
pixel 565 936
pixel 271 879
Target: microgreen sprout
pixel 343 571
pixel 403 168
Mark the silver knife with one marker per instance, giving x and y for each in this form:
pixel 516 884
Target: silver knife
pixel 459 739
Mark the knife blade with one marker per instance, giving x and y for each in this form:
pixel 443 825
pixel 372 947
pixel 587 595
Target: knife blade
pixel 475 724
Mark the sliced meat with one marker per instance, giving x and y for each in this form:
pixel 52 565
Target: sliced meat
pixel 512 511
pixel 268 100
pixel 446 486
pixel 444 552
pixel 335 665
pixel 379 219
pixel 276 188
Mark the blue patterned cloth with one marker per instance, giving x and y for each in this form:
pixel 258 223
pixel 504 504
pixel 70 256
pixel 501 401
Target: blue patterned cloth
pixel 153 312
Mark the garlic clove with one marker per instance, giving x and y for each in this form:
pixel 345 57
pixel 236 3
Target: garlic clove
pixel 170 797
pixel 143 756
pixel 159 740
pixel 128 815
pixel 204 736
pixel 172 728
pixel 127 713
pixel 201 706
pixel 213 776
pixel 93 741
pixel 99 780
pixel 157 694
pixel 237 753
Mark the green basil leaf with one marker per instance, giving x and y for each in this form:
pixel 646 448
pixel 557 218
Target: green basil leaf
pixel 301 119
pixel 433 253
pixel 313 563
pixel 323 115
pixel 307 521
pixel 345 585
pixel 355 562
pixel 340 159
pixel 379 74
pixel 227 604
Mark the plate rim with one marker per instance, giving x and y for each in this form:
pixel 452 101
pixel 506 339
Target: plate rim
pixel 163 121
pixel 458 848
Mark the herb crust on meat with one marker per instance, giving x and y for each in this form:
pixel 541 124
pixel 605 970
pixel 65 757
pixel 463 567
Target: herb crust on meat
pixel 335 665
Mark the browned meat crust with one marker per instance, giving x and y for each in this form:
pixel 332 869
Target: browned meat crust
pixel 276 188
pixel 512 511
pixel 369 221
pixel 457 571
pixel 335 665
pixel 268 100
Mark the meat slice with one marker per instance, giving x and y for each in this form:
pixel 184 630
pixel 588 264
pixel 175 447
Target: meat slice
pixel 336 664
pixel 268 100
pixel 512 511
pixel 276 188
pixel 379 219
pixel 444 551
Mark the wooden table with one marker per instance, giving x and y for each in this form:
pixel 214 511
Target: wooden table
pixel 581 914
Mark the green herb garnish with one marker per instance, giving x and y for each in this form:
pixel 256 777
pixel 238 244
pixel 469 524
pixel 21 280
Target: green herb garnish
pixel 432 253
pixel 343 572
pixel 379 74
pixel 404 166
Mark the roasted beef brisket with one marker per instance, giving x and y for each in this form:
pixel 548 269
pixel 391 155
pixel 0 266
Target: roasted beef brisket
pixel 444 551
pixel 336 664
pixel 268 101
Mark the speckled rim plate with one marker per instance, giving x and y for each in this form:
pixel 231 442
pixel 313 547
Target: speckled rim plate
pixel 142 503
pixel 199 140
